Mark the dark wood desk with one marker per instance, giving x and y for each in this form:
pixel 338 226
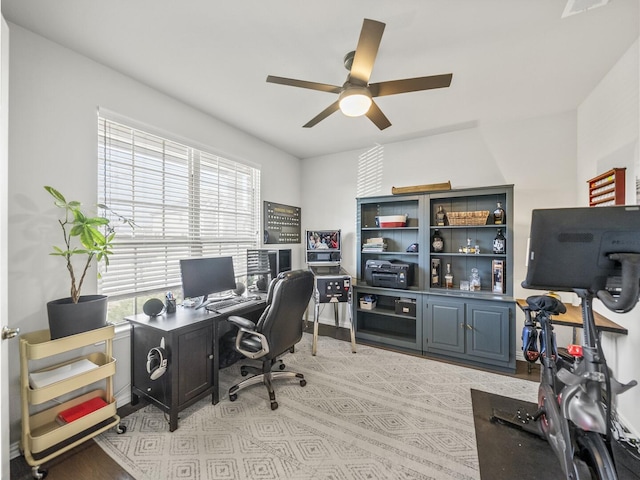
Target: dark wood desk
pixel 573 318
pixel 191 341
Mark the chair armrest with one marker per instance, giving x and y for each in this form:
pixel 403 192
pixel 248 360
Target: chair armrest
pixel 254 338
pixel 243 323
pixel 247 334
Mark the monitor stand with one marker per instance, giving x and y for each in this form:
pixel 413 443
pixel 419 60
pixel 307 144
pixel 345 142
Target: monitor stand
pixel 203 303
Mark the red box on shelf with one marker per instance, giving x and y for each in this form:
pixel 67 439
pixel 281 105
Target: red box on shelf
pixel 79 411
pixel 392 221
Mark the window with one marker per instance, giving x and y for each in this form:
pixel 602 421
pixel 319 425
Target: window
pixel 185 202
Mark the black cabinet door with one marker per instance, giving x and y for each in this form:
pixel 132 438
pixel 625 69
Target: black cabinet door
pixel 195 357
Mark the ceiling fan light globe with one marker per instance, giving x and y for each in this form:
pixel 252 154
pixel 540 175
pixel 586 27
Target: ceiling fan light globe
pixel 355 103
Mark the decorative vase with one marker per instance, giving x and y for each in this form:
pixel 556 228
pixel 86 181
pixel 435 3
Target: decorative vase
pixel 437 243
pixel 68 318
pixel 499 216
pixel 500 243
pixel 441 216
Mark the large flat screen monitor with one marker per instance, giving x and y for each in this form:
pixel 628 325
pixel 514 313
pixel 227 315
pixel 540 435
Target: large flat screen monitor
pixel 207 275
pixel 323 246
pixel 569 247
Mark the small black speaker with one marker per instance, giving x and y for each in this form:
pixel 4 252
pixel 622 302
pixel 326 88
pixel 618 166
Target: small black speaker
pixel 153 307
pixel 240 288
pixel 262 284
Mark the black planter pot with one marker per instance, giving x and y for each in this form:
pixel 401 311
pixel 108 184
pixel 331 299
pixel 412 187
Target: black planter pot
pixel 68 318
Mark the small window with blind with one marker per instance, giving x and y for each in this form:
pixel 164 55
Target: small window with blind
pixel 184 202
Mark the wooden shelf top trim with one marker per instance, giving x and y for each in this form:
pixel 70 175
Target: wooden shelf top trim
pixel 573 318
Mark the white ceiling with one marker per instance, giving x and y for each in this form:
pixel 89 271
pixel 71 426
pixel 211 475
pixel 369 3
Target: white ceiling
pixel 509 58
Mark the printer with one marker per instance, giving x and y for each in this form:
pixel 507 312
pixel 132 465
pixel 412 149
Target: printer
pixel 390 274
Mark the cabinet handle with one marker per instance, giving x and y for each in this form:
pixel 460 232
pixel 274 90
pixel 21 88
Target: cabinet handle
pixel 469 327
pixel 462 325
pixel 210 356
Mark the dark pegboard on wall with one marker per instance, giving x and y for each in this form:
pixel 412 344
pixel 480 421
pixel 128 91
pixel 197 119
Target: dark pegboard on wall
pixel 281 223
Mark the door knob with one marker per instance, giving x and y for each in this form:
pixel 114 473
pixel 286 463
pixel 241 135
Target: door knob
pixel 8 333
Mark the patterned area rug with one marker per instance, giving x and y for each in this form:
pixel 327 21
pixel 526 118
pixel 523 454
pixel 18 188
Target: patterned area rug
pixel 374 414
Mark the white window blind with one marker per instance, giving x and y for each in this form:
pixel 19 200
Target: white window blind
pixel 184 202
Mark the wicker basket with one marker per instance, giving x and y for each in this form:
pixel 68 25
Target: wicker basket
pixel 468 218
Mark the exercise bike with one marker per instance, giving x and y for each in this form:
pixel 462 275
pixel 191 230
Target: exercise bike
pixel 577 390
pixel 595 253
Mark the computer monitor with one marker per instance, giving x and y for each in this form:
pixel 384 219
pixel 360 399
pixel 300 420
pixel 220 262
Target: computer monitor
pixel 323 246
pixel 263 262
pixel 569 247
pixel 279 261
pixel 204 276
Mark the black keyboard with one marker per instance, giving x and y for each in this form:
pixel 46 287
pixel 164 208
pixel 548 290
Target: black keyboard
pixel 225 303
pixel 225 306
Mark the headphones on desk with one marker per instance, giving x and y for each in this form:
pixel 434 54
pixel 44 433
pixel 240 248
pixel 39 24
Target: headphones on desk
pixel 157 361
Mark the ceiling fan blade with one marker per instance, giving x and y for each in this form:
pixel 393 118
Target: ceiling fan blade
pixel 323 87
pixel 322 115
pixel 366 51
pixel 410 85
pixel 376 116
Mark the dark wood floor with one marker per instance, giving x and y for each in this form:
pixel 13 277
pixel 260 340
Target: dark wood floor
pixel 85 461
pixel 90 461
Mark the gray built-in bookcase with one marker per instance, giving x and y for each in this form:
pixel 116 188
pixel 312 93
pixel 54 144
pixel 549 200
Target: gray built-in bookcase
pixel 474 327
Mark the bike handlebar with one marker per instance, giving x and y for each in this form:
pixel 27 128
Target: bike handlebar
pixel 630 290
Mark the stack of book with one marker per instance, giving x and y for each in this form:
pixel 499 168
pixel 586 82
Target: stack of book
pixel 374 245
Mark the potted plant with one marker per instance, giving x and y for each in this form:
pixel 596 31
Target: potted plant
pixel 85 238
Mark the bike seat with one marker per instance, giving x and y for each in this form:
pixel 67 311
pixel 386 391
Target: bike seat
pixel 547 304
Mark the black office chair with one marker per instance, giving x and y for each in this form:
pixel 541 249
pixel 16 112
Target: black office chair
pixel 277 331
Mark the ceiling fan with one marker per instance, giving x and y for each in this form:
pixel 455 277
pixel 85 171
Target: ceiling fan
pixel 355 96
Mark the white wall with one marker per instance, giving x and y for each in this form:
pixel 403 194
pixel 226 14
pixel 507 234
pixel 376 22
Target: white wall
pixel 537 155
pixel 549 161
pixel 54 95
pixel 55 92
pixel 608 132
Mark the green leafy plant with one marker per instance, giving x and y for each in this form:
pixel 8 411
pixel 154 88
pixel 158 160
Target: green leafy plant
pixel 93 236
